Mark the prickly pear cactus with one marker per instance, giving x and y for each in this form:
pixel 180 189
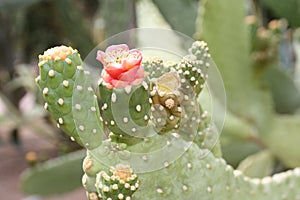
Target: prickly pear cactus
pixel 149 111
pixel 62 77
pixel 137 97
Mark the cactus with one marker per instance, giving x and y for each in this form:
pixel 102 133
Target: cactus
pixel 137 140
pixel 119 183
pixel 61 78
pixel 137 99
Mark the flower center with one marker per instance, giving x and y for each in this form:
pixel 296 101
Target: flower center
pixel 122 171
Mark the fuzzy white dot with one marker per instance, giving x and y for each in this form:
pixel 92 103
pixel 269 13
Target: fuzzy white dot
pixel 120 196
pixel 125 120
pixel 104 107
pixel 113 97
pixel 79 87
pixel 150 100
pixel 66 83
pixel 138 108
pixel 209 189
pixel 60 101
pixel 79 68
pixel 115 187
pixel 144 157
pixel 37 79
pixel 60 120
pixel 105 189
pixel 90 89
pixel 145 85
pixel 132 188
pixel 77 106
pixel 45 91
pixel 208 166
pixel 51 73
pixel 184 187
pixel 81 127
pixel 161 94
pixel 127 89
pixel 68 60
pixel 161 108
pixel 159 191
pixel 179 109
pixel 166 164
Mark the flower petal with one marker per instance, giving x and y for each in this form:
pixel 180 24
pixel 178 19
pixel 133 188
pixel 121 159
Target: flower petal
pixel 114 71
pixel 122 47
pixel 134 59
pixel 101 56
pixel 129 75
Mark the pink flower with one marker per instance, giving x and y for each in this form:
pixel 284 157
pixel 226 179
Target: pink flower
pixel 122 67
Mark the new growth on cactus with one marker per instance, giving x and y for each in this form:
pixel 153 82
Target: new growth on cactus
pixel 150 119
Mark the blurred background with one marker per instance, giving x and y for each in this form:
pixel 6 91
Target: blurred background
pixel 255 44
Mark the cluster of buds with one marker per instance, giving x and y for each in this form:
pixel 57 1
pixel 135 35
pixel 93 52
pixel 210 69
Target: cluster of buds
pixel 119 183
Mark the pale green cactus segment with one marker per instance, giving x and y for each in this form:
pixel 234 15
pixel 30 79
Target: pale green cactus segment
pixel 207 136
pixel 56 81
pixel 193 67
pixel 118 183
pixel 91 166
pixel 155 67
pixel 49 177
pixel 89 183
pixel 85 110
pixel 125 110
pixel 199 175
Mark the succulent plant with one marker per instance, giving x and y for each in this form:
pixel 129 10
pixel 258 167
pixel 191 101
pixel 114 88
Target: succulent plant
pixel 141 115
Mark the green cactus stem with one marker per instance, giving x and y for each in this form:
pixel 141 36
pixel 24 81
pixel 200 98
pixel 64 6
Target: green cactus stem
pixel 125 111
pixel 62 78
pixel 193 67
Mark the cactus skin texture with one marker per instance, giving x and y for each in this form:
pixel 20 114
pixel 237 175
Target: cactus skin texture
pixel 195 176
pixel 199 173
pixel 135 113
pixel 62 78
